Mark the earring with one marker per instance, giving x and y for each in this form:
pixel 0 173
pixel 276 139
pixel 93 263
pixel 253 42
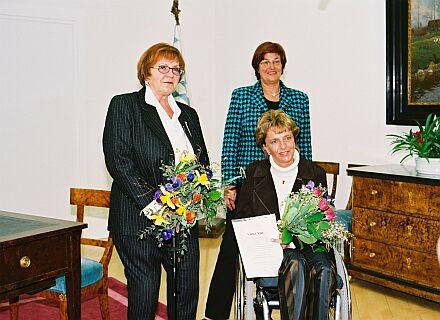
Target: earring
pixel 147 82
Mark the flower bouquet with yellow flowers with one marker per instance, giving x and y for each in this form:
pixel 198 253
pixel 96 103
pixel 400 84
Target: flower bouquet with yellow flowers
pixel 308 218
pixel 191 193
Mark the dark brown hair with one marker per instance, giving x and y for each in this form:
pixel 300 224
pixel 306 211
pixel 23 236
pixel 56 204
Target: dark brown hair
pixel 152 55
pixel 267 47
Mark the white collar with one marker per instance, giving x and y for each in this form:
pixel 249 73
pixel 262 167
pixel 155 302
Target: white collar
pixel 151 99
pixel 287 170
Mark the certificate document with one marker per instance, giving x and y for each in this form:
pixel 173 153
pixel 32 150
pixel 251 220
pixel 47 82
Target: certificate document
pixel 261 256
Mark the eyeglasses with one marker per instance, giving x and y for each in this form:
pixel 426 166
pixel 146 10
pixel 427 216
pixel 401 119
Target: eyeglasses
pixel 165 69
pixel 267 63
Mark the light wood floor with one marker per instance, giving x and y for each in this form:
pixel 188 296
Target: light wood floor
pixel 370 302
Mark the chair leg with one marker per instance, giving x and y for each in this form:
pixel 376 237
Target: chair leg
pixel 63 308
pixel 13 308
pixel 103 304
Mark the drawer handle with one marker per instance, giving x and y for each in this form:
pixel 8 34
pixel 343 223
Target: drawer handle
pixel 25 262
pixel 372 255
pixel 373 192
pixel 409 228
pixel 408 263
pixel 372 224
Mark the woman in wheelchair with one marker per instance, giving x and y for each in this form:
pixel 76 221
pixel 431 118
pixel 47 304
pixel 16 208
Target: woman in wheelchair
pixel 306 279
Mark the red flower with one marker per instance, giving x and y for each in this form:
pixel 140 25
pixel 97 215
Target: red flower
pixel 175 200
pixel 317 191
pixel 190 216
pixel 323 204
pixel 419 135
pixel 197 197
pixel 181 176
pixel 330 214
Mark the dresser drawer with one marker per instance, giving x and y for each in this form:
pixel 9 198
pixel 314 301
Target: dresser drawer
pixel 397 262
pixel 395 229
pixel 32 260
pixel 396 196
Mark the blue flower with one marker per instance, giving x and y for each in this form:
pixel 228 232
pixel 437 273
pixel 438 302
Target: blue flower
pixel 190 176
pixel 209 173
pixel 157 195
pixel 176 183
pixel 167 234
pixel 310 185
pixel 169 187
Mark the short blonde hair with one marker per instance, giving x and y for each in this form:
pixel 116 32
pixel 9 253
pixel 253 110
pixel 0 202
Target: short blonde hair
pixel 274 119
pixel 152 55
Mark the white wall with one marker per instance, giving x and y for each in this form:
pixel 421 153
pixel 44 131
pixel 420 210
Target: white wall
pixel 62 61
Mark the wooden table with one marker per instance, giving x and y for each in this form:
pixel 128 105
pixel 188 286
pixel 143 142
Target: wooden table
pixel 396 224
pixel 34 251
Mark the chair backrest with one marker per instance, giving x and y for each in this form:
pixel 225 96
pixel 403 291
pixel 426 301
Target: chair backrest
pixel 331 168
pixel 349 205
pixel 92 198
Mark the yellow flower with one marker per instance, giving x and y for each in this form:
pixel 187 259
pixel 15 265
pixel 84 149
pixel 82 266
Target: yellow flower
pixel 180 210
pixel 158 219
pixel 187 157
pixel 202 179
pixel 166 198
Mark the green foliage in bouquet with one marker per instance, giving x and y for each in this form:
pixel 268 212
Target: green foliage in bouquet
pixel 308 216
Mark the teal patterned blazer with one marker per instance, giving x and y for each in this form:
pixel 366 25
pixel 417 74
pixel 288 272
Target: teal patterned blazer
pixel 247 104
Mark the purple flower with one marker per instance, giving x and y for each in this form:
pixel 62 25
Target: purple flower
pixel 169 187
pixel 157 195
pixel 167 234
pixel 190 176
pixel 176 183
pixel 330 198
pixel 310 185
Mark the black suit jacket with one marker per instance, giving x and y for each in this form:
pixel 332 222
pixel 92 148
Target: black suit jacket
pixel 135 146
pixel 258 195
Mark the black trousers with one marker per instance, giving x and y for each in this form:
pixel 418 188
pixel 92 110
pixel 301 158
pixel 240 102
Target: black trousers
pixel 222 287
pixel 142 260
pixel 306 282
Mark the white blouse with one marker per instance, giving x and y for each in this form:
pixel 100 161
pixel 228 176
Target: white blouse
pixel 284 179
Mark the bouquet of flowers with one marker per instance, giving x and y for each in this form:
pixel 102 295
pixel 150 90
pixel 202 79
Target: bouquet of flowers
pixel 191 193
pixel 309 216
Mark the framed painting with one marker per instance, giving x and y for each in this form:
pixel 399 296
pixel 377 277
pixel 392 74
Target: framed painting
pixel 412 60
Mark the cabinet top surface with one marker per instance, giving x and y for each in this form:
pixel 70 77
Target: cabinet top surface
pixel 14 226
pixel 396 172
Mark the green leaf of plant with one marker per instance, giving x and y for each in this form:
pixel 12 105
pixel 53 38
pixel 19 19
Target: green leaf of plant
pixel 315 217
pixel 309 240
pixel 286 237
pixel 214 195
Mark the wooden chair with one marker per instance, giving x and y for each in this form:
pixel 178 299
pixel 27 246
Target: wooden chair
pixel 94 274
pixel 331 168
pixel 344 216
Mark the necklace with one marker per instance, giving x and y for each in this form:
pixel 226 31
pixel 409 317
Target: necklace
pixel 275 93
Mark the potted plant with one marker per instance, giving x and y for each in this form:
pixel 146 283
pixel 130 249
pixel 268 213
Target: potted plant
pixel 423 144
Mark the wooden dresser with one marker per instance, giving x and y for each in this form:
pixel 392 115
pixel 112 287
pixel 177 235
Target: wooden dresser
pixel 396 224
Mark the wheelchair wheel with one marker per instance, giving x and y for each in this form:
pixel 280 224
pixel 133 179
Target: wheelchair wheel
pixel 342 305
pixel 239 292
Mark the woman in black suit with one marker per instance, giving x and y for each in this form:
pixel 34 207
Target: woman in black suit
pixel 306 279
pixel 144 130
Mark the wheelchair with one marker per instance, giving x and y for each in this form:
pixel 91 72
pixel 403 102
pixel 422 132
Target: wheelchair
pixel 266 297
